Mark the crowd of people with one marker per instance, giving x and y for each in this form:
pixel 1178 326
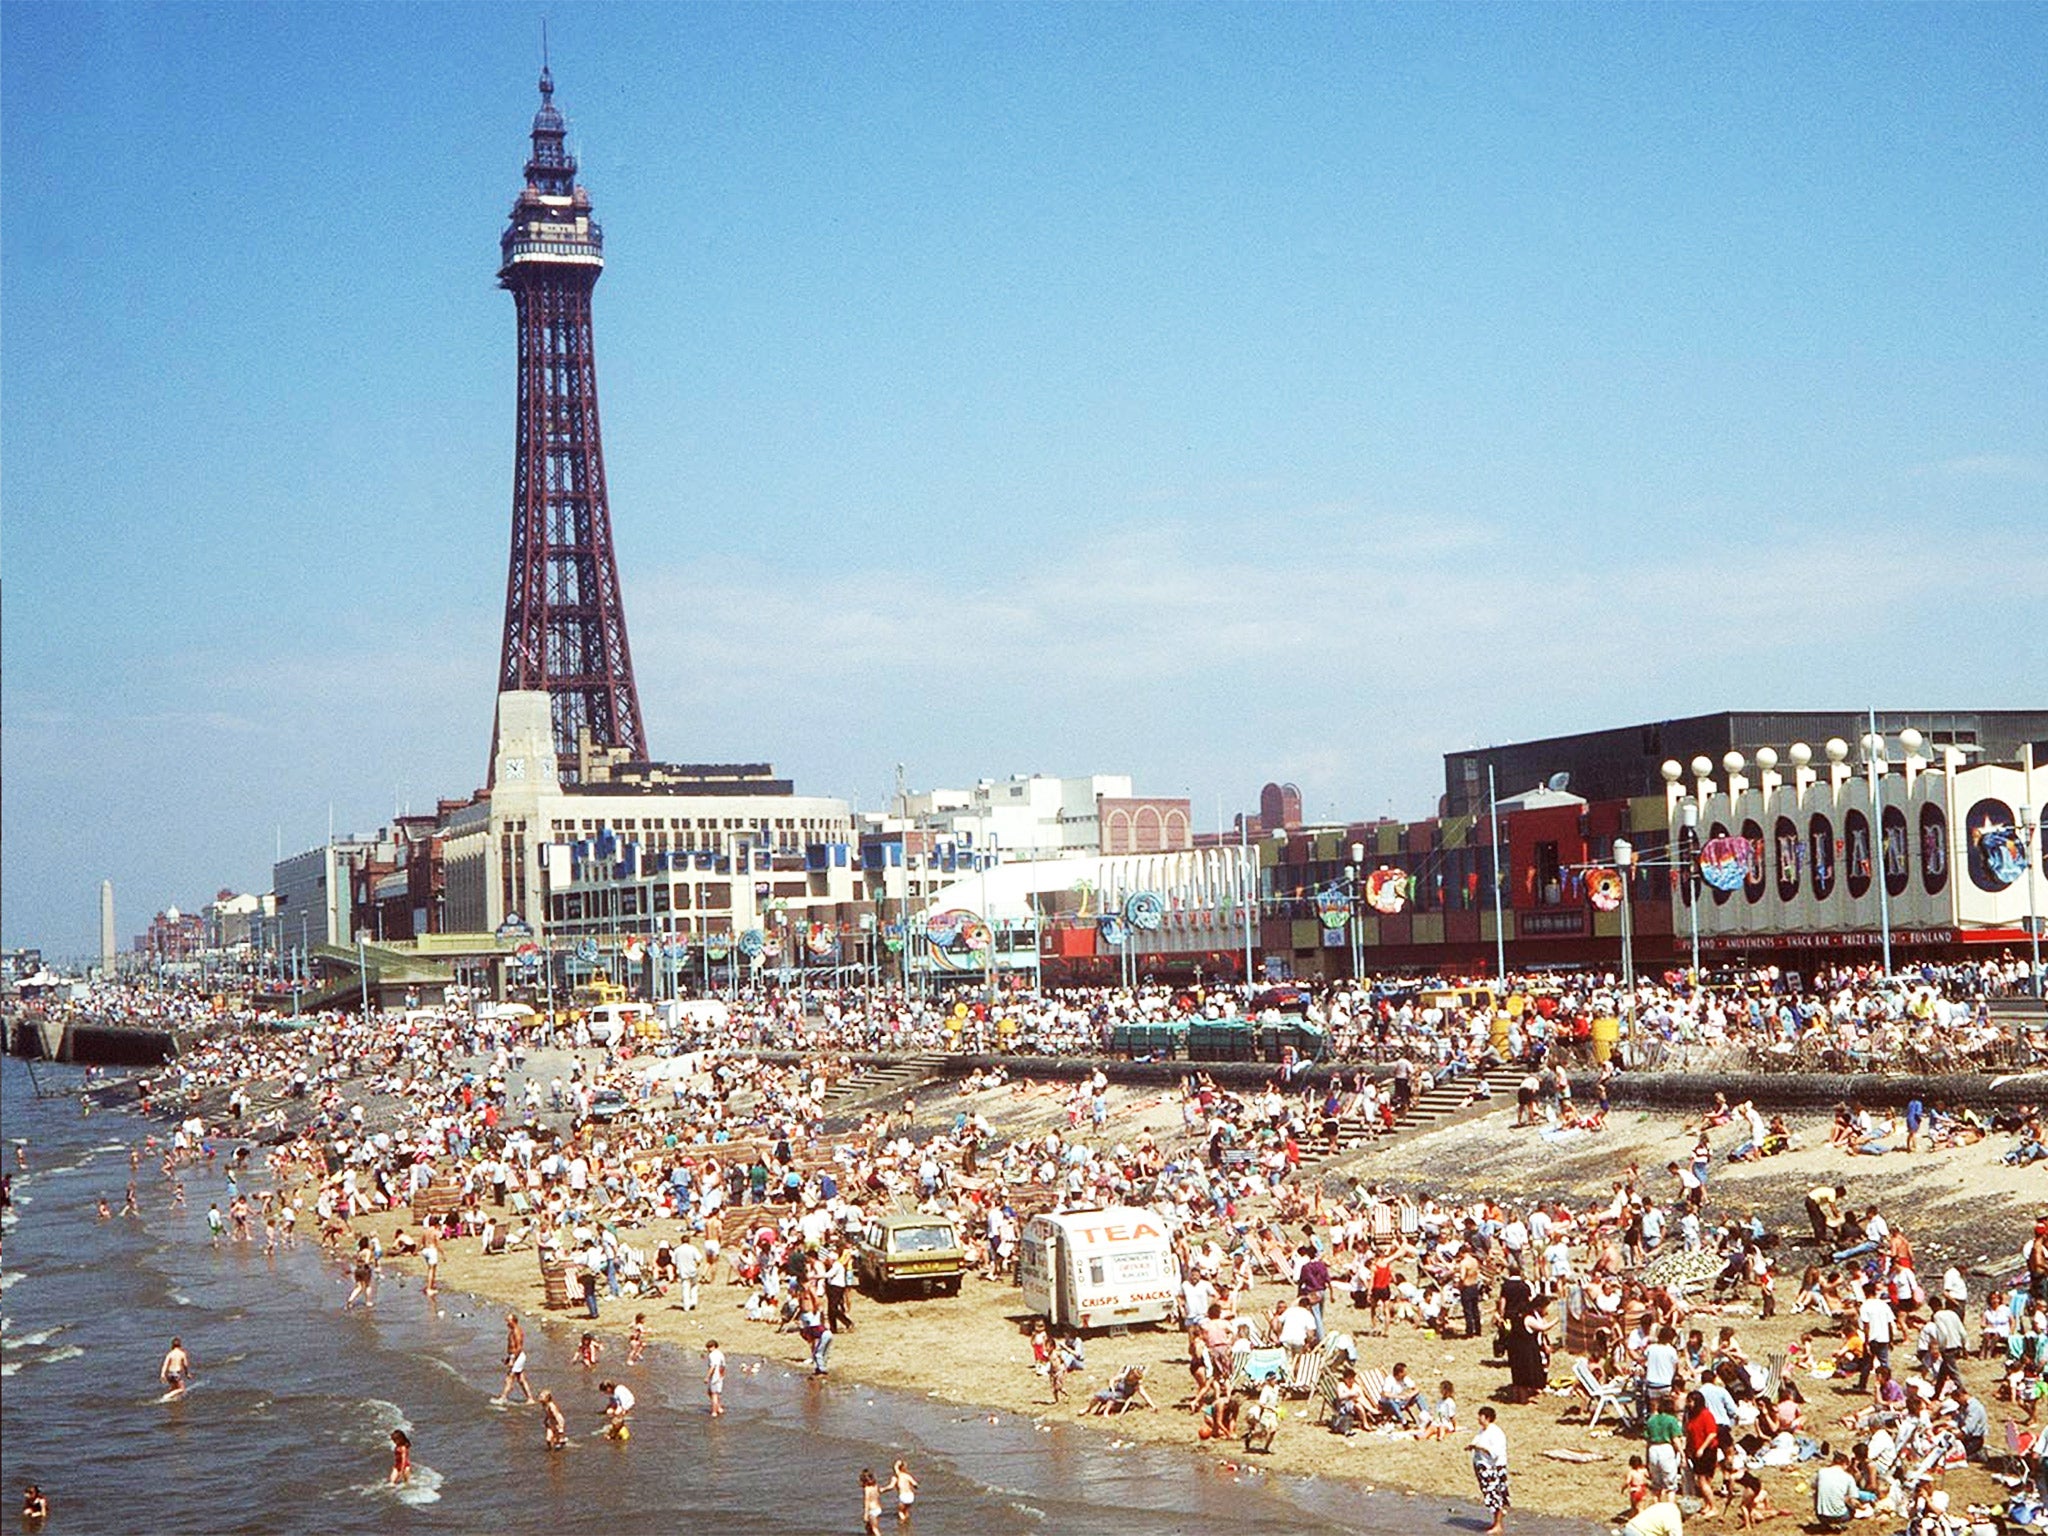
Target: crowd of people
pixel 661 1174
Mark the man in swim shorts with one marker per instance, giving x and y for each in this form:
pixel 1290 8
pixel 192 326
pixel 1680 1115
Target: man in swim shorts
pixel 176 1371
pixel 515 1360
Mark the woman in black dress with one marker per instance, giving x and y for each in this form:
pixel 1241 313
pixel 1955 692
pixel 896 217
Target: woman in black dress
pixel 1525 1347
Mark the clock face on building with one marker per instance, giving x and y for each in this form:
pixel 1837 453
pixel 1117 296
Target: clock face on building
pixel 515 767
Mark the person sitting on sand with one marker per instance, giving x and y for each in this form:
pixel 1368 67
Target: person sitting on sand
pixel 1220 1419
pixel 1347 1405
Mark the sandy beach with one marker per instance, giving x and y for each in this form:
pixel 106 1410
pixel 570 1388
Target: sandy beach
pixel 1958 1206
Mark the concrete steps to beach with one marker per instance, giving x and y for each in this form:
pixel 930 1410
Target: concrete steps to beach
pixel 1443 1101
pixel 882 1082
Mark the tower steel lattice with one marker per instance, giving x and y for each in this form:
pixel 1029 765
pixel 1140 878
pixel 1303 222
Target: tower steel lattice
pixel 565 623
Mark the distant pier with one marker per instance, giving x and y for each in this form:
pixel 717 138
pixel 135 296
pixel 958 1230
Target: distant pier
pixel 85 1043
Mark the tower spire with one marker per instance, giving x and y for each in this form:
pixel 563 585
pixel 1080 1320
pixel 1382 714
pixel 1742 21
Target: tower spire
pixel 565 622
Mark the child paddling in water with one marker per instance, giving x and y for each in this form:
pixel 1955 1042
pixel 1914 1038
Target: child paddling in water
pixel 870 1503
pixel 401 1458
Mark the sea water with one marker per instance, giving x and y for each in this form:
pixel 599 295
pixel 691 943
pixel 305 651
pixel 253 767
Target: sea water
pixel 287 1425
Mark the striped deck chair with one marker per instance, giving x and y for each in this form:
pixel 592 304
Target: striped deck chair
pixel 1774 1374
pixel 1326 1393
pixel 2019 1444
pixel 1372 1386
pixel 1258 1366
pixel 1305 1370
pixel 1582 1322
pixel 1383 1227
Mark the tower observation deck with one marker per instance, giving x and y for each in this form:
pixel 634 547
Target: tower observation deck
pixel 565 623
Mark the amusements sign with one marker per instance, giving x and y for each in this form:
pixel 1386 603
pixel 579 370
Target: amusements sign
pixel 1863 938
pixel 1724 862
pixel 1144 911
pixel 1385 890
pixel 959 939
pixel 1333 907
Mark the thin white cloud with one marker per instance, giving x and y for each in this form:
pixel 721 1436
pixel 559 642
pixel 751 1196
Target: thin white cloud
pixel 2027 469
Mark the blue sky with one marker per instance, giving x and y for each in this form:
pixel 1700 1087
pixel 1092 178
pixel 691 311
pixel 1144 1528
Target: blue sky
pixel 1215 394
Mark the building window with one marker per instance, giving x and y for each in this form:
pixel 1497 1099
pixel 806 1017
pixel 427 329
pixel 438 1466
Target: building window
pixel 1548 876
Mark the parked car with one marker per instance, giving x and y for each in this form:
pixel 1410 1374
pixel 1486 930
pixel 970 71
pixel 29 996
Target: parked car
pixel 906 1250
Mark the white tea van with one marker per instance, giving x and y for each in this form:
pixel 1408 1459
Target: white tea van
pixel 1098 1268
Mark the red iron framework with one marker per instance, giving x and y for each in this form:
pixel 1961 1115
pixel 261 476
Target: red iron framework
pixel 565 623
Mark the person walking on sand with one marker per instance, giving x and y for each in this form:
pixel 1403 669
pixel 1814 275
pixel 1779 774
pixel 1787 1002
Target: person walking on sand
pixel 906 1494
pixel 714 1377
pixel 515 1361
pixel 176 1371
pixel 1489 1450
pixel 870 1503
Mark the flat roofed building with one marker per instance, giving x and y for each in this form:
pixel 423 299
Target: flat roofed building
pixel 1625 762
pixel 715 840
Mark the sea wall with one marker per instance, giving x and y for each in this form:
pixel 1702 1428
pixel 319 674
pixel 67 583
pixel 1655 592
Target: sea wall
pixel 1648 1090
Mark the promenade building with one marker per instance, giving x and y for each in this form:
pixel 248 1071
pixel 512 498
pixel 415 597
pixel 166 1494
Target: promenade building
pixel 1784 853
pixel 628 854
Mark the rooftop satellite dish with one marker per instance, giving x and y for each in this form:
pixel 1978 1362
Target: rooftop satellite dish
pixel 1559 781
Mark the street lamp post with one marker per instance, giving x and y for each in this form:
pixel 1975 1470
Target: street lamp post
pixel 1624 858
pixel 1689 819
pixel 1873 755
pixel 2030 831
pixel 1500 932
pixel 1279 867
pixel 1357 851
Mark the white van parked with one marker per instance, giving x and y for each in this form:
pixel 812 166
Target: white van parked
pixel 609 1023
pixel 1098 1268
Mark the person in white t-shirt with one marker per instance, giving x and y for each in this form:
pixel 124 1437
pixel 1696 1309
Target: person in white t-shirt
pixel 1880 1326
pixel 1489 1450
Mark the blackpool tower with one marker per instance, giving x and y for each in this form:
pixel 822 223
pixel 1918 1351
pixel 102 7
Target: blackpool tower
pixel 565 623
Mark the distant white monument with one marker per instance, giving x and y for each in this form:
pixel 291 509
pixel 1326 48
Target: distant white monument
pixel 107 944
